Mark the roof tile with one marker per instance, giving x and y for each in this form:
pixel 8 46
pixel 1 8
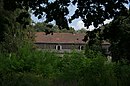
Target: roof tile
pixel 41 37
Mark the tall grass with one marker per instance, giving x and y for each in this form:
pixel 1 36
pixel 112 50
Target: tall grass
pixel 30 67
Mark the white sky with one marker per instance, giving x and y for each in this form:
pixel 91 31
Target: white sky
pixel 77 23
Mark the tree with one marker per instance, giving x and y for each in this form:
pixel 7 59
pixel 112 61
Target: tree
pixel 9 20
pixel 118 33
pixel 43 27
pixel 82 30
pixel 71 30
pixel 12 28
pixel 91 11
pixel 40 27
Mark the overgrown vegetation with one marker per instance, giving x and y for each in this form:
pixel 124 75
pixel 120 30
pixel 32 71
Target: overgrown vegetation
pixel 117 33
pixel 37 68
pixel 23 65
pixel 48 28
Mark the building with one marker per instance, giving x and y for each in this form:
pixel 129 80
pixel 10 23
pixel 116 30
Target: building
pixel 105 47
pixel 60 41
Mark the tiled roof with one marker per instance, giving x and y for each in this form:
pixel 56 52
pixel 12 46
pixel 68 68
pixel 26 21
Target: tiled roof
pixel 41 37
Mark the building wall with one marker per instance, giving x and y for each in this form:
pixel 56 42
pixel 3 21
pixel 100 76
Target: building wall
pixel 61 46
pixel 105 48
pixel 68 47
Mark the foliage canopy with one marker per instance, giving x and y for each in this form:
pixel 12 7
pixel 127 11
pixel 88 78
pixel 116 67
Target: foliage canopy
pixel 118 33
pixel 91 11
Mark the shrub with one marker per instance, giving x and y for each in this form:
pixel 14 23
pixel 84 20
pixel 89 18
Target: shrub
pixel 30 67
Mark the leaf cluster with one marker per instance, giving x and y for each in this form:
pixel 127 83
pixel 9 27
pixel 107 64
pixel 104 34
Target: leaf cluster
pixel 32 67
pixel 91 11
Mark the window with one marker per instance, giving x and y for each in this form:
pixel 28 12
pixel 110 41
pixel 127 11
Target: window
pixel 81 47
pixel 58 47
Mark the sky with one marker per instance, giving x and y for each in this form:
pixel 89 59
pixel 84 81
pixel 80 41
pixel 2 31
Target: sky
pixel 77 23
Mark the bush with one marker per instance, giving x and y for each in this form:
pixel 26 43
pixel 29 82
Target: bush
pixel 29 67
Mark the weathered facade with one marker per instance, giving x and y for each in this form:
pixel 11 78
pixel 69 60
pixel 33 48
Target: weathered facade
pixel 105 47
pixel 60 41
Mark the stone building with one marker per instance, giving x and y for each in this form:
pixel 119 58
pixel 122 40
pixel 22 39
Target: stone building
pixel 60 41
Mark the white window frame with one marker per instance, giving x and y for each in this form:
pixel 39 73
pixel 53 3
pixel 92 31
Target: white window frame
pixel 80 47
pixel 58 46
